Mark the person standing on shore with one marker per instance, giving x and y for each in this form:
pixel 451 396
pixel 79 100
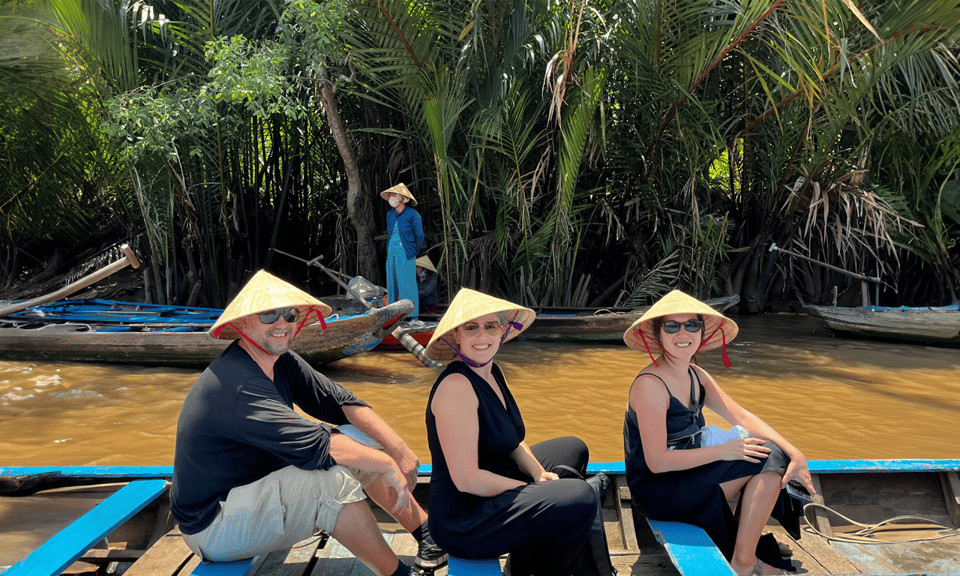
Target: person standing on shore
pixel 405 231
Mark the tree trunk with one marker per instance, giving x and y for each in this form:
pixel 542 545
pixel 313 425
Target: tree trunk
pixel 358 209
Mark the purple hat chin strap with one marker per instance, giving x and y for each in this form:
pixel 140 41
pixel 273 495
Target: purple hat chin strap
pixel 471 363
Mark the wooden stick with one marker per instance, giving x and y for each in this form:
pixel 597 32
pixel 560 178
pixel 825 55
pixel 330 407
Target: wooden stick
pixel 410 343
pixel 824 264
pixel 128 260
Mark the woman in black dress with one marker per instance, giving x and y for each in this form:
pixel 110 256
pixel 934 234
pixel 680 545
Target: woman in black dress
pixel 490 493
pixel 671 476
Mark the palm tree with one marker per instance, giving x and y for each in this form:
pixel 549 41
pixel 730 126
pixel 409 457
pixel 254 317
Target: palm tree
pixel 787 99
pixel 55 162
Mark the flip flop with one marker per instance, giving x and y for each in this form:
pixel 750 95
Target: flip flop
pixel 758 570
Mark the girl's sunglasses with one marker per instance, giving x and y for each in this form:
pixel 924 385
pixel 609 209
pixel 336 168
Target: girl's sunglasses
pixel 672 326
pixel 271 316
pixel 471 329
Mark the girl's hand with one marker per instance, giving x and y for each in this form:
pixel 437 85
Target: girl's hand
pixel 547 477
pixel 749 449
pixel 797 470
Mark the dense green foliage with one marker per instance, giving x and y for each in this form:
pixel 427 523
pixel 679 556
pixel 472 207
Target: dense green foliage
pixel 595 152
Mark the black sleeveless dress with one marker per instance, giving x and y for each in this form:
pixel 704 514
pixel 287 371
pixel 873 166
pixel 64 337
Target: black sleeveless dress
pixel 543 526
pixel 694 495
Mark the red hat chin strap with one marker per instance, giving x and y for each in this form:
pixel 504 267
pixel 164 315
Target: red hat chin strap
pixel 250 340
pixel 643 338
pixel 323 326
pixel 323 323
pixel 723 336
pixel 726 360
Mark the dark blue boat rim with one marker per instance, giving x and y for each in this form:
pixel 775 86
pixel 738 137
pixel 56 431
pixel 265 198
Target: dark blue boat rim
pixel 117 316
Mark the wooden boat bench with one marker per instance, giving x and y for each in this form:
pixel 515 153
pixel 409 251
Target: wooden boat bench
pixel 469 567
pixel 238 568
pixel 59 552
pixel 691 549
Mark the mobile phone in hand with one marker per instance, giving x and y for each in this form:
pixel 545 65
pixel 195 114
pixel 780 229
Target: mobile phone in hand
pixel 797 490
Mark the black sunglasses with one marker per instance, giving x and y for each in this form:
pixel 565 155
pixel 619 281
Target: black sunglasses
pixel 672 326
pixel 271 316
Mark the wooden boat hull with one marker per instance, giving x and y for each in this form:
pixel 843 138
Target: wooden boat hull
pixel 865 490
pixel 165 346
pixel 590 324
pixel 923 325
pixel 596 325
pixel 421 336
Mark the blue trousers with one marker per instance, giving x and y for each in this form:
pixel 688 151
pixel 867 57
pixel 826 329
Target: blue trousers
pixel 402 279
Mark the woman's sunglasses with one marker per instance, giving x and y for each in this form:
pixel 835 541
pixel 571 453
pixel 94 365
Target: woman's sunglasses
pixel 672 326
pixel 271 316
pixel 471 329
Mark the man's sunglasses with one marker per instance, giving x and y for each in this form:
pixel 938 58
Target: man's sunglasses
pixel 471 329
pixel 271 316
pixel 672 326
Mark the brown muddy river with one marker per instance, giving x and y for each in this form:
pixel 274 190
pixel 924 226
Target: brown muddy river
pixel 832 397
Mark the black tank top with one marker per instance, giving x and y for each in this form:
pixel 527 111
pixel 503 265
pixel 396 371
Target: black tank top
pixel 683 430
pixel 501 431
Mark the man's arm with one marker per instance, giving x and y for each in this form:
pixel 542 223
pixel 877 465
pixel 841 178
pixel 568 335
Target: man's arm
pixel 369 422
pixel 348 452
pixel 418 231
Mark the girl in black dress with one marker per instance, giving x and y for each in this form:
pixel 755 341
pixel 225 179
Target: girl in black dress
pixel 490 493
pixel 671 476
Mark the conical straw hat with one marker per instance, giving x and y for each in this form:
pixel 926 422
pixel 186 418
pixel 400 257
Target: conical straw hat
pixel 425 262
pixel 718 329
pixel 467 306
pixel 267 292
pixel 400 189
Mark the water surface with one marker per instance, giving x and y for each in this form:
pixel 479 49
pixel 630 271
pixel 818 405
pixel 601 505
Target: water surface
pixel 832 397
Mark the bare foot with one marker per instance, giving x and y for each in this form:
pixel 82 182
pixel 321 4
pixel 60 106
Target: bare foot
pixel 786 548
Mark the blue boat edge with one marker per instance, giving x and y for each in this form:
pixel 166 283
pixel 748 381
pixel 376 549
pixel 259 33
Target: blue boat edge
pixel 851 466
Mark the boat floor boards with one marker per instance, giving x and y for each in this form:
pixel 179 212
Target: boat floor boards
pixel 864 497
pixel 633 552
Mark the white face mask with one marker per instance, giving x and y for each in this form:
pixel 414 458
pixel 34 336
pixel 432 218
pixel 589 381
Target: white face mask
pixel 395 201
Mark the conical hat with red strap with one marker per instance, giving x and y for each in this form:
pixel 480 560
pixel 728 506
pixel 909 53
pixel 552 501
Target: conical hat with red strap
pixel 718 329
pixel 467 306
pixel 267 292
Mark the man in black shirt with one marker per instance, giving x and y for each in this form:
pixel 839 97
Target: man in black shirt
pixel 251 475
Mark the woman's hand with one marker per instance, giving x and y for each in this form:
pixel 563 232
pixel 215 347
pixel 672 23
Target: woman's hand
pixel 749 449
pixel 546 477
pixel 797 470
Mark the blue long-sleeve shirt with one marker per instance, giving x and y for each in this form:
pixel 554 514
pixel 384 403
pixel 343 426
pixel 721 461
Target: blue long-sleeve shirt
pixel 411 230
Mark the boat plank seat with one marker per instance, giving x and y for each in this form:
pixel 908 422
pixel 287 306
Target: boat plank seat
pixel 237 568
pixel 171 557
pixel 60 551
pixel 690 549
pixel 473 567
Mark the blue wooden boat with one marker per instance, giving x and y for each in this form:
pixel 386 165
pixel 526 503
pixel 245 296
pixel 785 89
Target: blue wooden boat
pixel 149 334
pixel 927 325
pixel 133 516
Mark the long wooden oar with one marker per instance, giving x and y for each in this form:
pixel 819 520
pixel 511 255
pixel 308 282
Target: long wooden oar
pixel 128 260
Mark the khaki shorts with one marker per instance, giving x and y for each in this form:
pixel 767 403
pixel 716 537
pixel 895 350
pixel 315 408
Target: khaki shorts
pixel 276 512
